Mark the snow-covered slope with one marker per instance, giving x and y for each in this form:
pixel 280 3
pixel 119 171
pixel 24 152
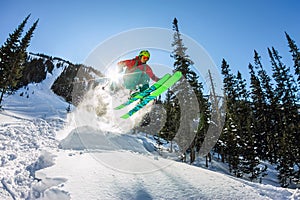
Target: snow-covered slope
pixel 37 100
pixel 47 153
pixel 28 127
pixel 130 175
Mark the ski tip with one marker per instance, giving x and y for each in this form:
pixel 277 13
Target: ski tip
pixel 126 116
pixel 178 72
pixel 118 108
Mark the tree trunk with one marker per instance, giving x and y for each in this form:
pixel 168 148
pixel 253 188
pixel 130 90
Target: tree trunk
pixel 192 155
pixel 208 159
pixel 171 147
pixel 1 97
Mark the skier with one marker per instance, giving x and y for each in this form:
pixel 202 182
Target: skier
pixel 137 73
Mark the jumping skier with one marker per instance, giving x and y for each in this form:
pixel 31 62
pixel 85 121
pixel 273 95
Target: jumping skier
pixel 137 72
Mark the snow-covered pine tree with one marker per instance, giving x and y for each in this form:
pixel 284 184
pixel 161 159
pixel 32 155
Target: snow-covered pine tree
pixel 183 63
pixel 171 105
pixel 247 130
pixel 258 112
pixel 287 119
pixel 262 109
pixel 230 138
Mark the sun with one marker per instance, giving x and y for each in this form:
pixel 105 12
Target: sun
pixel 114 75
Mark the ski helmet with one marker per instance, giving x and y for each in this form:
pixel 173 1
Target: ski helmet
pixel 144 53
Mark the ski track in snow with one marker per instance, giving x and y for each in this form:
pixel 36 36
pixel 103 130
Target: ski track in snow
pixel 23 142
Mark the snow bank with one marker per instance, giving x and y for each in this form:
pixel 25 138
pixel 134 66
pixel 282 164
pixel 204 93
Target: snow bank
pixel 23 143
pixel 89 138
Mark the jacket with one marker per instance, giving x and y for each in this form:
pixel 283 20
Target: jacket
pixel 133 64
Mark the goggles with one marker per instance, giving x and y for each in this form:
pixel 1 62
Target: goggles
pixel 145 58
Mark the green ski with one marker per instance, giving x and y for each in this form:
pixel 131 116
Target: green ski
pixel 145 100
pixel 141 95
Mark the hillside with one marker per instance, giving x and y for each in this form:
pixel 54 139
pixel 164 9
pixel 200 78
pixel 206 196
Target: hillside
pixel 48 153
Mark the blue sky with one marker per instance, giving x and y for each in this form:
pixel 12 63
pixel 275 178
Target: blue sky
pixel 229 29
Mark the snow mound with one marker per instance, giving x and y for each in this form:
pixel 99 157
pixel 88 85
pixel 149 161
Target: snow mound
pixel 89 138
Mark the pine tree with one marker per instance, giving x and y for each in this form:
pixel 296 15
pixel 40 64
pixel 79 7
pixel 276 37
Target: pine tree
pixel 260 125
pixel 12 58
pixel 287 118
pixel 217 111
pixel 182 61
pixel 258 111
pixel 172 108
pixel 243 119
pixel 24 43
pixel 295 55
pixel 229 139
pixel 204 115
pixel 250 154
pixel 296 58
pixel 265 113
pixel 6 52
pixel 265 80
pixel 193 90
pixel 222 146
